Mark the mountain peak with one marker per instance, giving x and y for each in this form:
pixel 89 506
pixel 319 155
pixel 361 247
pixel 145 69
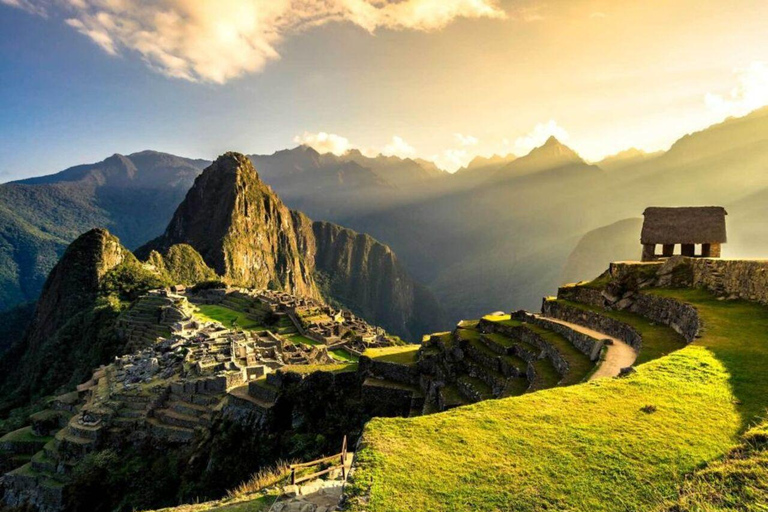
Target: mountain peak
pixel 242 229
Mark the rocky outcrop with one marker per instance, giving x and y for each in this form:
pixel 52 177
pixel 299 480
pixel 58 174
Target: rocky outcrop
pixel 242 230
pixel 182 264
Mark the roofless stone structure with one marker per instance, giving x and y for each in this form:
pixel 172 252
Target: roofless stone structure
pixel 687 227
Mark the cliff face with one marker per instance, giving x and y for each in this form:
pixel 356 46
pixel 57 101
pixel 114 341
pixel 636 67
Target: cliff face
pixel 242 230
pixel 366 277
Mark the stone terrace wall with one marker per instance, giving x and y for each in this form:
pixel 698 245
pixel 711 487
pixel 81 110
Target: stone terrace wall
pixel 525 334
pixel 593 320
pixel 587 345
pixel 681 317
pixel 581 294
pixel 743 279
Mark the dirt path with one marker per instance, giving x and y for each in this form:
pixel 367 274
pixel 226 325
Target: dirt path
pixel 619 355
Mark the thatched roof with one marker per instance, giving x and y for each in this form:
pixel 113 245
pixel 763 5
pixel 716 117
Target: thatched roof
pixel 687 225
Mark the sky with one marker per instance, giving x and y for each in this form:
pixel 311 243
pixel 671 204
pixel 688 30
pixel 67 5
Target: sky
pixel 440 79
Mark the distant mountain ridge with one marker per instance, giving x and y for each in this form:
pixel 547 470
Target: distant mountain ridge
pixel 134 196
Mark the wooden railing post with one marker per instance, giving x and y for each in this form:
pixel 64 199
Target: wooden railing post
pixel 293 476
pixel 344 459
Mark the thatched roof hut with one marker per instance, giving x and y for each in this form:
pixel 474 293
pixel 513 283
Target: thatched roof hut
pixel 687 225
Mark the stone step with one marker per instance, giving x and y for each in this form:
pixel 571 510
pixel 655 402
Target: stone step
pixel 170 417
pixel 473 389
pixel 42 463
pixel 493 378
pixel 131 414
pixel 84 431
pixel 261 390
pixel 170 433
pixel 190 409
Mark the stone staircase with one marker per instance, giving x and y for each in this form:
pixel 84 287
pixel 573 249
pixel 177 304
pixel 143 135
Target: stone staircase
pixel 60 443
pixel 187 407
pixel 501 356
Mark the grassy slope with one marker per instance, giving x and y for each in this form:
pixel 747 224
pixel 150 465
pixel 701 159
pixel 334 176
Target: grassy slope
pixel 585 447
pixel 214 313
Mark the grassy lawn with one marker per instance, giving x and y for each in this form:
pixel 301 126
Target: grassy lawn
pixel 305 369
pixel 658 340
pixel 406 354
pixel 342 355
pixel 607 445
pixel 226 316
pixel 303 340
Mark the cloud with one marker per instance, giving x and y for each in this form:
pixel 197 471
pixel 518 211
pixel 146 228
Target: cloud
pixel 27 5
pixel 750 92
pixel 323 142
pixel 466 140
pixel 452 159
pixel 398 147
pixel 217 41
pixel 538 136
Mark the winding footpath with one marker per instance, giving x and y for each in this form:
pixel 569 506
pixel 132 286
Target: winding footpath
pixel 618 355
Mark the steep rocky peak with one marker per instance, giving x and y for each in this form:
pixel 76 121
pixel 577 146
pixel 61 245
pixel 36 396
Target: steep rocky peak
pixel 555 150
pixel 242 229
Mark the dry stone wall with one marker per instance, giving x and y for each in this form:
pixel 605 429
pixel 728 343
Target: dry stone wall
pixel 592 320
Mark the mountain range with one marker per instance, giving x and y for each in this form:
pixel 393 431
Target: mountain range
pixel 493 235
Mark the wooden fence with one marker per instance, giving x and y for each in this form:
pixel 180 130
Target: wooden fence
pixel 341 457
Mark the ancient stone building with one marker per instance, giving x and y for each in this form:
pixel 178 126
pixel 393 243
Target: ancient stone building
pixel 698 231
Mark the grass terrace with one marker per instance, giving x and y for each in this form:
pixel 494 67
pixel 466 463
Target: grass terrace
pixel 227 317
pixel 342 355
pixel 623 444
pixel 406 354
pixel 303 340
pixel 658 340
pixel 306 369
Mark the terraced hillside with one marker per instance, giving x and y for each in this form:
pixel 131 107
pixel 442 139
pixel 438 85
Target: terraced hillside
pixel 609 444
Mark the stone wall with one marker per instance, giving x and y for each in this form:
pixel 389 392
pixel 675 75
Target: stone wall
pixel 582 294
pixel 681 317
pixel 742 279
pixel 407 374
pixel 526 335
pixel 586 344
pixel 592 320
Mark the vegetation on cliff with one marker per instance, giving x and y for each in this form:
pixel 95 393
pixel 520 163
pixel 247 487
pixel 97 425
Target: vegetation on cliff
pixel 72 329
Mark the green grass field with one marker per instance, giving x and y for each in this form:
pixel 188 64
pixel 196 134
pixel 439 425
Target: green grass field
pixel 226 316
pixel 342 355
pixel 406 354
pixel 303 340
pixel 607 445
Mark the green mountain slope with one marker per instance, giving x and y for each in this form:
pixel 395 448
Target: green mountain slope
pixel 133 195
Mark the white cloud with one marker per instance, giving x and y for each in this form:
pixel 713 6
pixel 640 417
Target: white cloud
pixel 452 160
pixel 538 136
pixel 466 140
pixel 216 41
pixel 750 92
pixel 27 5
pixel 323 142
pixel 398 147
